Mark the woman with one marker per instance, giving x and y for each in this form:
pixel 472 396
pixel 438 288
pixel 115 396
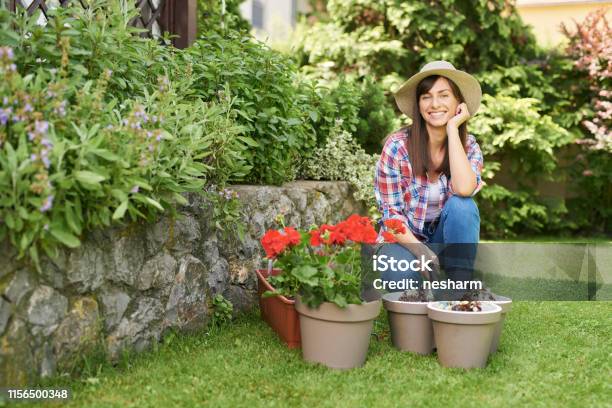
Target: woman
pixel 428 172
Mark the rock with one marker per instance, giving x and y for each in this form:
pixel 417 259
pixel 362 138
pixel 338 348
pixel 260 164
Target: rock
pixel 21 284
pixel 242 299
pixel 5 313
pixel 17 366
pixel 127 253
pixel 186 235
pixel 138 330
pixel 157 272
pixel 187 305
pixel 114 305
pixel 218 270
pixel 53 271
pixel 87 267
pixel 48 365
pixel 157 235
pixel 46 307
pixel 78 333
pixel 8 254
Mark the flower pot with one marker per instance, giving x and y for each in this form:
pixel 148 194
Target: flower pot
pixel 506 304
pixel 464 339
pixel 337 337
pixel 278 311
pixel 411 329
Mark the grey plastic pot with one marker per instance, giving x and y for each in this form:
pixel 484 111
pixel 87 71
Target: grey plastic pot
pixel 411 329
pixel 506 304
pixel 464 339
pixel 337 337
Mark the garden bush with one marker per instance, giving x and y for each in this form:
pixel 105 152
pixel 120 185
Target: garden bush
pixel 384 37
pixel 79 151
pixel 342 158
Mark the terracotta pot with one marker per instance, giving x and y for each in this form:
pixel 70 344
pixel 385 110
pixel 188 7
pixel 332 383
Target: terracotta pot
pixel 337 337
pixel 411 329
pixel 278 311
pixel 506 304
pixel 464 339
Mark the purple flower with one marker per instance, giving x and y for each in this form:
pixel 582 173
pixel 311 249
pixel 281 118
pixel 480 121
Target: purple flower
pixel 9 52
pixel 31 136
pixel 135 189
pixel 13 67
pixel 151 147
pixel 60 110
pixel 46 142
pixel 149 134
pixel 27 108
pixel 41 126
pixel 5 101
pixel 47 204
pixel 4 116
pixel 33 157
pixel 158 138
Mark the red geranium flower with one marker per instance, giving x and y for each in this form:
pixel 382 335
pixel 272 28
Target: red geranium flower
pixel 274 243
pixel 389 237
pixel 293 237
pixel 395 225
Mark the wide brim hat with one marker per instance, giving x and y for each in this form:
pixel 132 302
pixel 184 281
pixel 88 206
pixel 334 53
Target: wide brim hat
pixel 405 96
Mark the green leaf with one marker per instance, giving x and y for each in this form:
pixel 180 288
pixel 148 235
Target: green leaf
pixel 120 211
pixel 89 179
pixel 65 237
pixel 154 203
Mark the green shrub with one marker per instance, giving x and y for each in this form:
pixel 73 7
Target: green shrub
pixel 383 37
pixel 266 96
pixel 512 131
pixel 76 156
pixel 341 158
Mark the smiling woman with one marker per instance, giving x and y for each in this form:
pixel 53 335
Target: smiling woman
pixel 428 172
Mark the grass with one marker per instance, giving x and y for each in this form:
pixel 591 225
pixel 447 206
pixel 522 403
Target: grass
pixel 554 239
pixel 551 354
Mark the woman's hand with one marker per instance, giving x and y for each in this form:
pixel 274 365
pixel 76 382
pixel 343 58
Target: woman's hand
pixel 461 115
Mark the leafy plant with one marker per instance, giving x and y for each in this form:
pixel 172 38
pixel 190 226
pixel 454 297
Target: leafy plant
pixel 222 310
pixel 79 152
pixel 341 158
pixel 321 265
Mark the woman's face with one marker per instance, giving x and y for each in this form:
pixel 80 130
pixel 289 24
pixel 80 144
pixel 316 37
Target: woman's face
pixel 439 104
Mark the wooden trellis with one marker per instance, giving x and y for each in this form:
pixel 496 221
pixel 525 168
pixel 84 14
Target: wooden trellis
pixel 178 17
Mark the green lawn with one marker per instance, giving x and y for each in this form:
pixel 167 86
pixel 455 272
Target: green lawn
pixel 551 354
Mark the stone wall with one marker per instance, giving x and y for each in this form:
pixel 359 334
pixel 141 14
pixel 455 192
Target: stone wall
pixel 125 287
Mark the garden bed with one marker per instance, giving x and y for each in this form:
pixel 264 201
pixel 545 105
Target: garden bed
pixel 551 344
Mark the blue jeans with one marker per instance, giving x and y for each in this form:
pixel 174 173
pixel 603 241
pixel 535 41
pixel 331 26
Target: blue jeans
pixel 453 237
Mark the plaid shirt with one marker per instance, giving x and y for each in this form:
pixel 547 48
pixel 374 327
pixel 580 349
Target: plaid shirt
pixel 404 197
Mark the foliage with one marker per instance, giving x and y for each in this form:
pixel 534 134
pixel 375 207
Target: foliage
pixel 223 310
pixel 382 37
pixel 226 212
pixel 268 100
pixel 79 152
pixel 591 47
pixel 321 265
pixel 211 17
pixel 376 117
pixel 341 158
pixel 513 132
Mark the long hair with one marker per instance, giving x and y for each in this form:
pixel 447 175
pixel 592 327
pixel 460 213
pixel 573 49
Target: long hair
pixel 418 137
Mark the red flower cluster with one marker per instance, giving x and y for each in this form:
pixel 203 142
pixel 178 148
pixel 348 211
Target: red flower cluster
pixel 394 226
pixel 275 242
pixel 354 228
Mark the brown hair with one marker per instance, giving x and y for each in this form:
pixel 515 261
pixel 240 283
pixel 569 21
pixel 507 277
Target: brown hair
pixel 418 137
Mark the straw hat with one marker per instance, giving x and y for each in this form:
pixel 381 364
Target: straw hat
pixel 470 88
